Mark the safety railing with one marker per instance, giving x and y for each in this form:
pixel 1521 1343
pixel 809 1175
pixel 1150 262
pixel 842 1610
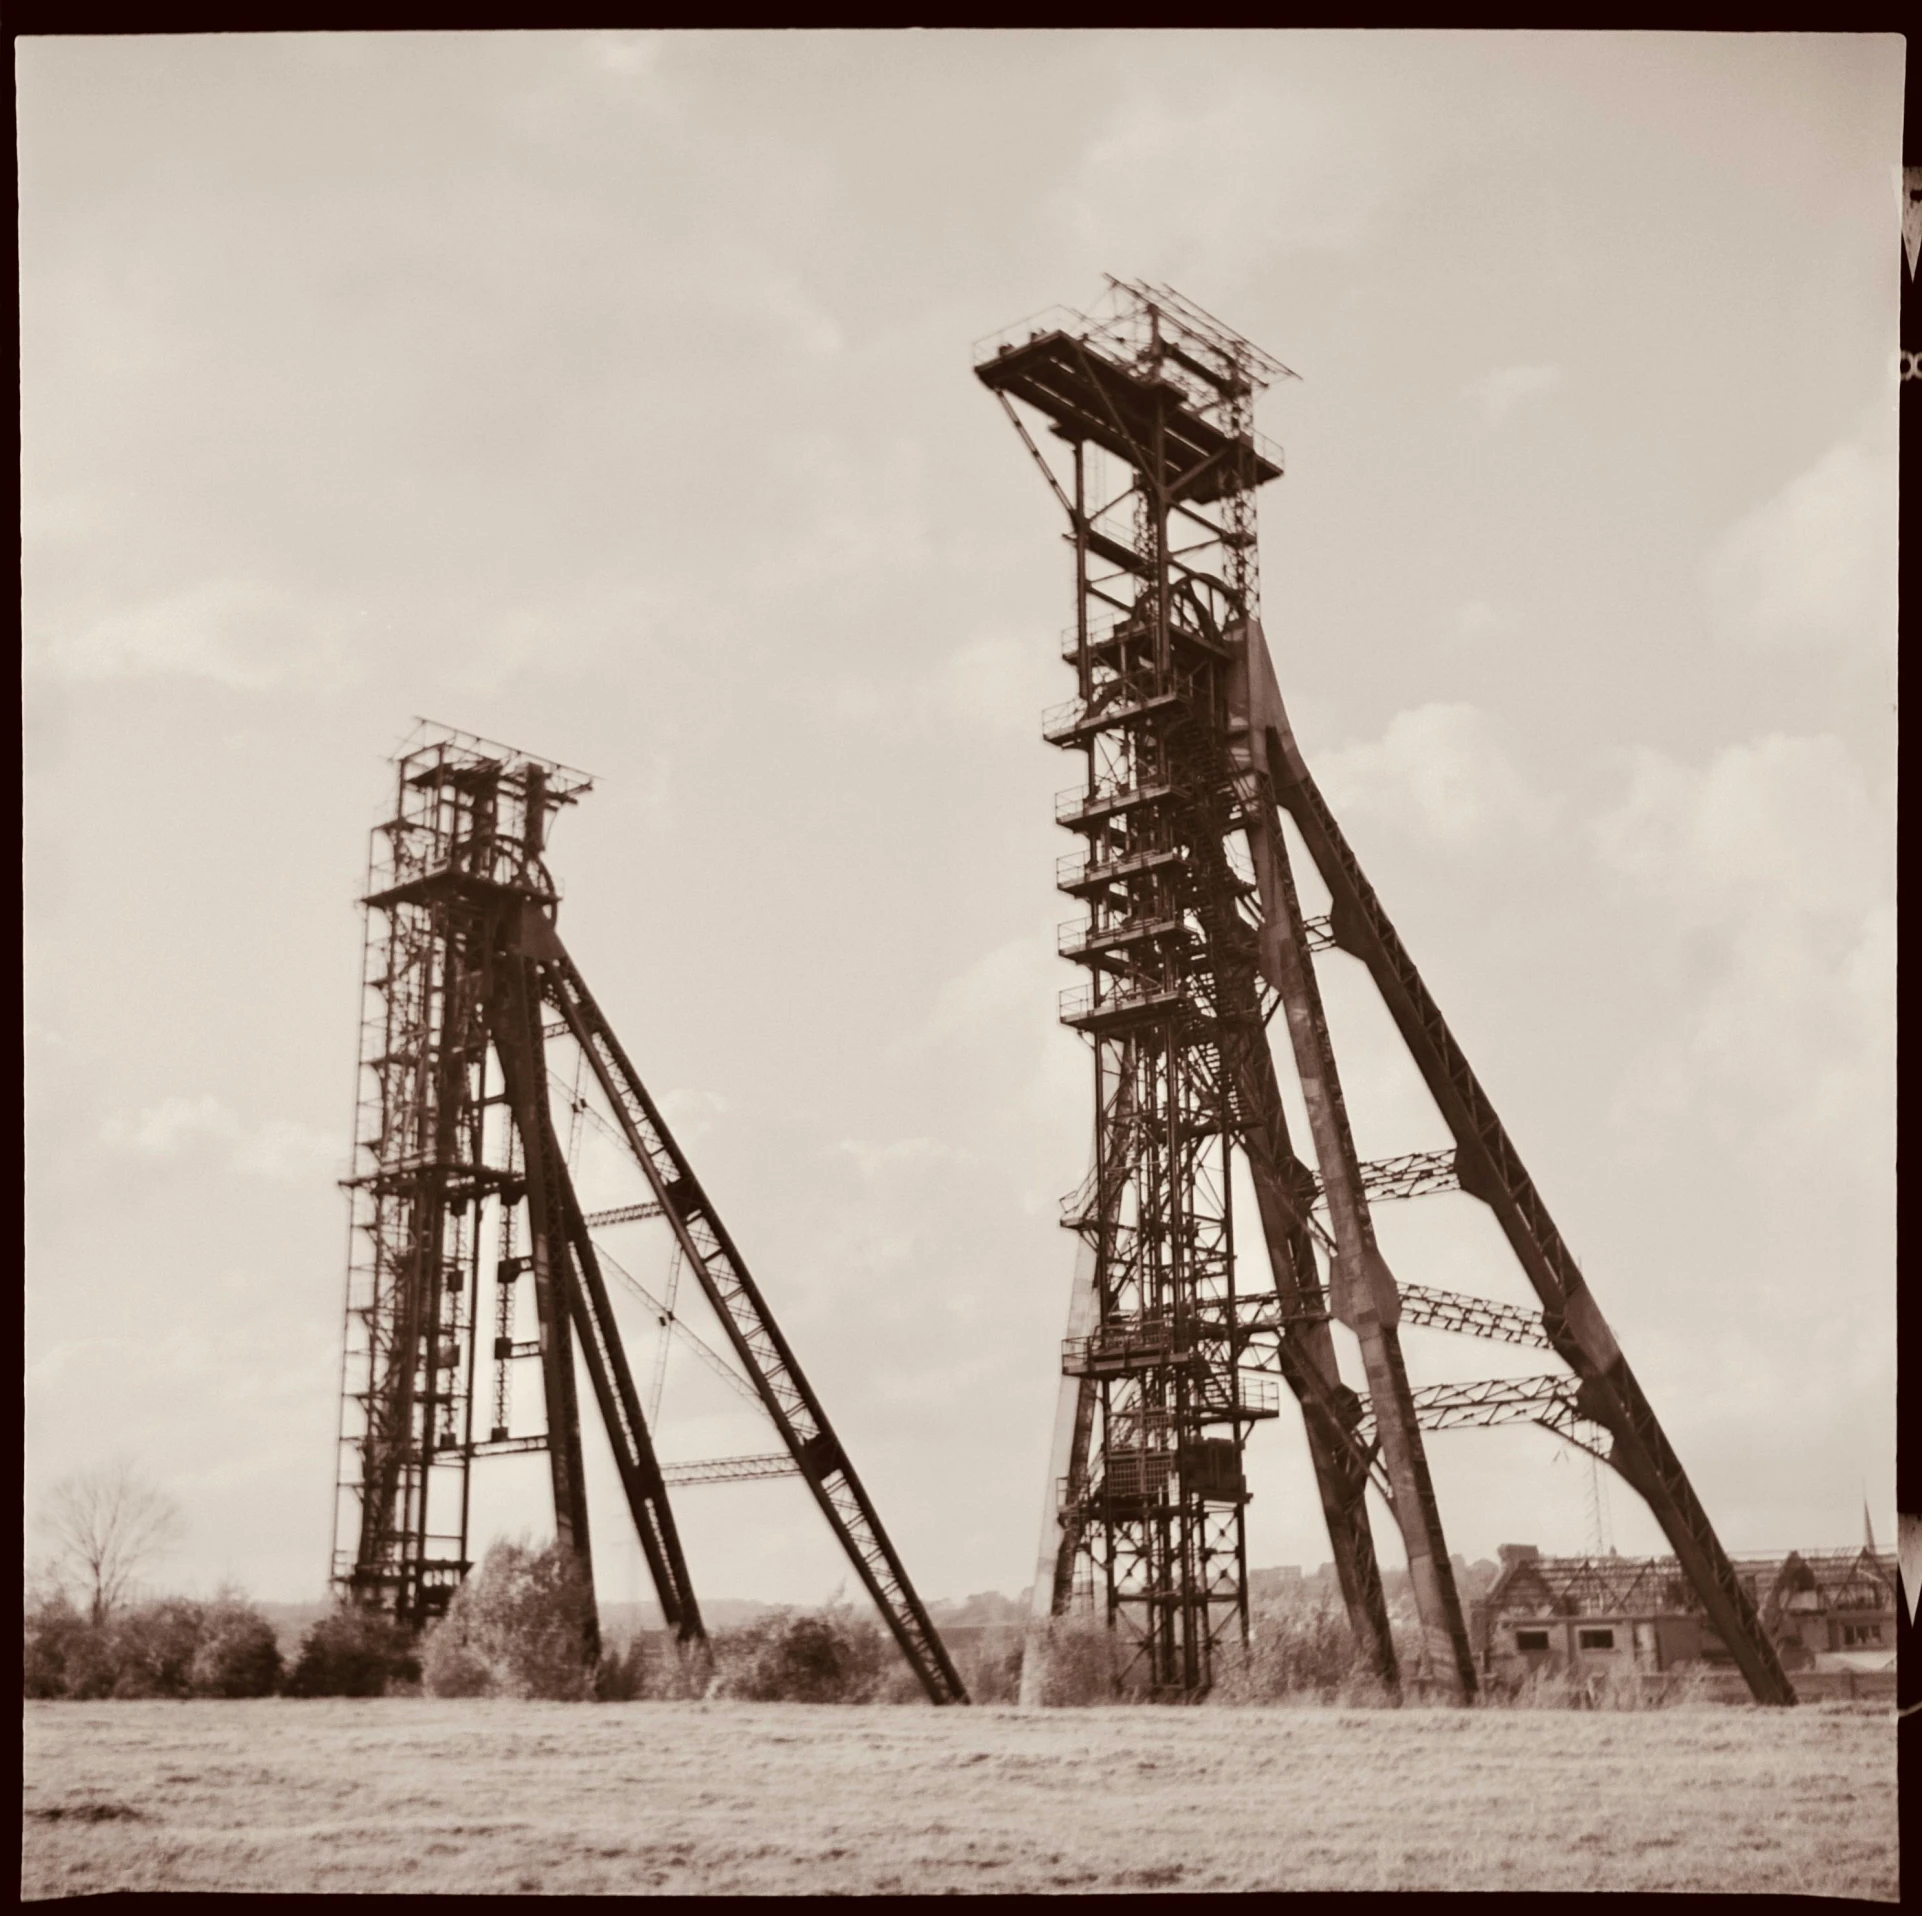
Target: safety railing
pixel 1024 332
pixel 1076 937
pixel 1109 794
pixel 1082 1004
pixel 1073 869
pixel 1113 702
pixel 1123 1344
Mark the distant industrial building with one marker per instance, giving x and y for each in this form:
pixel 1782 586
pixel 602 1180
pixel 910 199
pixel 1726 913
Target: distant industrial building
pixel 1829 1613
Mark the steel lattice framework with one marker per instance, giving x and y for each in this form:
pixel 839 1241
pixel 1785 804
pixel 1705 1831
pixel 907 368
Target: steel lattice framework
pixel 470 1000
pixel 1193 938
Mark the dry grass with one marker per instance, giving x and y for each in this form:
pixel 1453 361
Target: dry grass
pixel 689 1798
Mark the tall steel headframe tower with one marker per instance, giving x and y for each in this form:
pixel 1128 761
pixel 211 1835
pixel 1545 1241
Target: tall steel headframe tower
pixel 480 1046
pixel 1193 937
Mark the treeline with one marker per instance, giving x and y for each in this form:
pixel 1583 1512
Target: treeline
pixel 516 1628
pixel 171 1647
pixel 520 1625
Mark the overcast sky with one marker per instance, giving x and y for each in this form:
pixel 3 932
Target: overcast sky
pixel 611 395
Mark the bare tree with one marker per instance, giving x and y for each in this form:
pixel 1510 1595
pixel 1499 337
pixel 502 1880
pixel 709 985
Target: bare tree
pixel 103 1525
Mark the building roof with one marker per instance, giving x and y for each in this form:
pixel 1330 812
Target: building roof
pixel 1651 1586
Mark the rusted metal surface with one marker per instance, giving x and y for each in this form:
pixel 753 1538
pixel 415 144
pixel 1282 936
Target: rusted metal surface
pixel 469 988
pixel 1173 1013
pixel 1188 951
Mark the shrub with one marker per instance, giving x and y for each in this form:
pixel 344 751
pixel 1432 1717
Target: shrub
pixel 1079 1663
pixel 92 1668
pixel 630 1673
pixel 153 1647
pixel 57 1642
pixel 353 1652
pixel 823 1656
pixel 1294 1654
pixel 173 1647
pixel 990 1667
pixel 449 1668
pixel 238 1653
pixel 1560 1689
pixel 651 1666
pixel 522 1626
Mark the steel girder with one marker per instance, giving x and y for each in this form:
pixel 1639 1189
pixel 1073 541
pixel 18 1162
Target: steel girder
pixel 1124 385
pixel 465 971
pixel 1490 1168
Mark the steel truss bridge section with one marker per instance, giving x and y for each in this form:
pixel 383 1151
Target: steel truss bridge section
pixel 731 1470
pixel 1553 1401
pixel 1193 938
pixel 467 986
pixel 1421 1304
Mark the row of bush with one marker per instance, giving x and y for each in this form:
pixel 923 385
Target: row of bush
pixel 518 1628
pixel 1293 1654
pixel 173 1647
pixel 521 1625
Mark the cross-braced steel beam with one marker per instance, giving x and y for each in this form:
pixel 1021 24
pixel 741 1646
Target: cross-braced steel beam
pixel 1189 947
pixel 468 988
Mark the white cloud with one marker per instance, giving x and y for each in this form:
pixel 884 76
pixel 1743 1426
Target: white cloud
pixel 1780 857
pixel 179 1128
pixel 1478 619
pixel 1015 1083
pixel 1019 978
pixel 692 1114
pixel 1254 173
pixel 1440 770
pixel 242 633
pixel 172 1126
pixel 999 682
pixel 280 1148
pixel 901 1154
pixel 1777 825
pixel 1816 565
pixel 996 682
pixel 1504 389
pixel 851 518
pixel 603 1171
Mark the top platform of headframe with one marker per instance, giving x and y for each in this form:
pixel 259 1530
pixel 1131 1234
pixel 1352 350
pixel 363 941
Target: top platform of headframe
pixel 1155 368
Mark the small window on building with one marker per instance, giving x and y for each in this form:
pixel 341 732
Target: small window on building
pixel 1861 1633
pixel 1595 1639
pixel 1531 1639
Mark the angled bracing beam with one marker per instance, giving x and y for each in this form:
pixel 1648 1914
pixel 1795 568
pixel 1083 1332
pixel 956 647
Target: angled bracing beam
pixel 784 1391
pixel 1304 1346
pixel 641 1474
pixel 1554 1402
pixel 1483 1317
pixel 1413 1174
pixel 1363 1290
pixel 730 1470
pixel 564 1252
pixel 1491 1169
pixel 514 1027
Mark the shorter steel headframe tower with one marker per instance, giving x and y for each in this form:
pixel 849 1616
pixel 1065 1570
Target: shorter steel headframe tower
pixel 1194 936
pixel 472 1012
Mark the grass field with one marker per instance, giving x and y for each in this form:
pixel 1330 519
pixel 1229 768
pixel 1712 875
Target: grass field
pixel 693 1798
